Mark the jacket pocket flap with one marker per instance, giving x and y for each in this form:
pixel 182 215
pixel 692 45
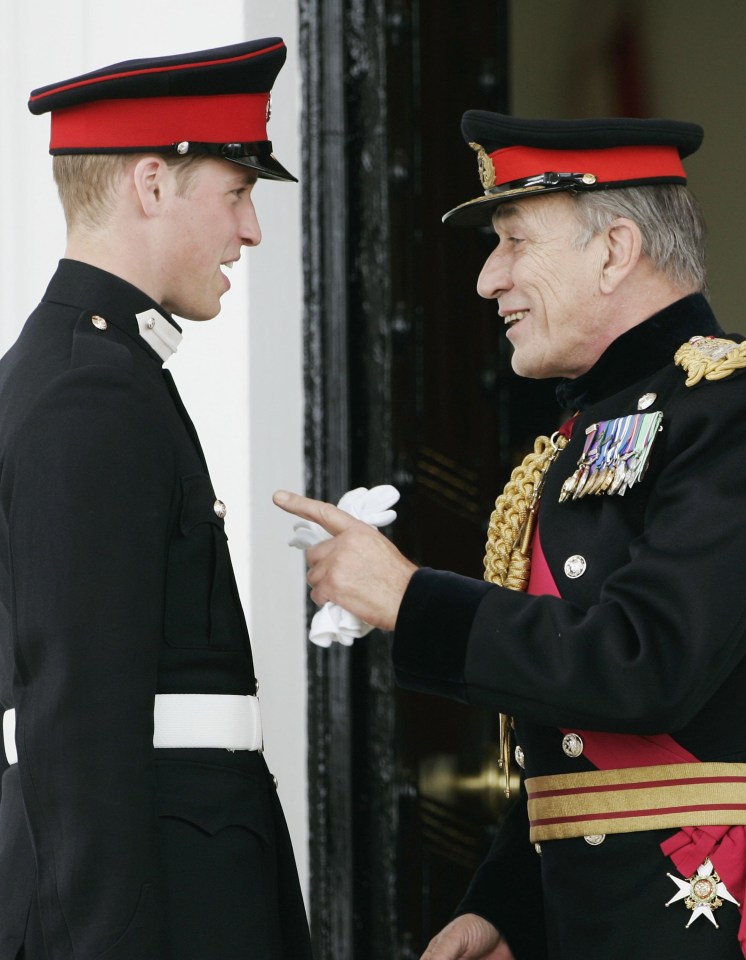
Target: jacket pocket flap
pixel 214 797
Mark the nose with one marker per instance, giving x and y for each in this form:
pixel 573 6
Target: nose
pixel 251 232
pixel 494 277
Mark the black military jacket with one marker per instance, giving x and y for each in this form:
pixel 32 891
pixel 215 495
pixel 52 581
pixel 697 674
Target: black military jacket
pixel 650 639
pixel 115 584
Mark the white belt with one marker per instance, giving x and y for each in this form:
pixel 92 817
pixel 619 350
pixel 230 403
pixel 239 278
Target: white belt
pixel 9 736
pixel 220 721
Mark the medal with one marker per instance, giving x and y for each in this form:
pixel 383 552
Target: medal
pixel 702 893
pixel 615 456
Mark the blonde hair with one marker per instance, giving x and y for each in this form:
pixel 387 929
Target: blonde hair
pixel 87 182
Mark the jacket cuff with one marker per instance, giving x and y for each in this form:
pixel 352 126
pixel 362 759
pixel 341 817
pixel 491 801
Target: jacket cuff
pixel 432 630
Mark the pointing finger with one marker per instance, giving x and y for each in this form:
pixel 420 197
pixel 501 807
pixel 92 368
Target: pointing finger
pixel 329 517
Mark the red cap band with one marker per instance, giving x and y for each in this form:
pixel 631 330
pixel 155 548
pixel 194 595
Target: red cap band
pixel 160 121
pixel 609 165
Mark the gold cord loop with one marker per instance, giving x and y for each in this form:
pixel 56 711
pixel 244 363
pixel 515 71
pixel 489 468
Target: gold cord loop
pixel 710 358
pixel 507 560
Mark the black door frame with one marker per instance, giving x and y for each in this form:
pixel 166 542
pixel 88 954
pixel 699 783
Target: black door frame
pixel 342 56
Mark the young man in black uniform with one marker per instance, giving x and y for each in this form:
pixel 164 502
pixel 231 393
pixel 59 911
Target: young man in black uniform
pixel 612 628
pixel 138 820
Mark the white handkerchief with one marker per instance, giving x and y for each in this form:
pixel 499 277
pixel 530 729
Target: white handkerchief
pixel 372 506
pixel 333 622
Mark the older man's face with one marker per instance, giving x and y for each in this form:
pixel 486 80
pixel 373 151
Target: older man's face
pixel 546 287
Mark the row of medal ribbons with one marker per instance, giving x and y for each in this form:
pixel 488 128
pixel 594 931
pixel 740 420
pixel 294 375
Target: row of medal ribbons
pixel 615 456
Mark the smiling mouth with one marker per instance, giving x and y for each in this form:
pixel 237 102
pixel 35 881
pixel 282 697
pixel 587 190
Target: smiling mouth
pixel 510 319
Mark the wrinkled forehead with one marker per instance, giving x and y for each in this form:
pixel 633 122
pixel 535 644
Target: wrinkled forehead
pixel 557 207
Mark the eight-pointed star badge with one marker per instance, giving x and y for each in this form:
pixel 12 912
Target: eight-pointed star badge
pixel 702 893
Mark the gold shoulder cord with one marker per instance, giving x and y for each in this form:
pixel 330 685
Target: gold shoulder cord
pixel 507 559
pixel 710 358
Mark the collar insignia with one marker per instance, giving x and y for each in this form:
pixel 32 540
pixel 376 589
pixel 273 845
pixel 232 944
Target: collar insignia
pixel 158 333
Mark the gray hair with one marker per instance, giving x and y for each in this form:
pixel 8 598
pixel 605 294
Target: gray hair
pixel 669 217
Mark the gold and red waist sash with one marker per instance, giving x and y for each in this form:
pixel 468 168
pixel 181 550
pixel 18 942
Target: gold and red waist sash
pixel 660 797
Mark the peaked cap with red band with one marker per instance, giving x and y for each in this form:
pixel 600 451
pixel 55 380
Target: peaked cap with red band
pixel 211 102
pixel 523 158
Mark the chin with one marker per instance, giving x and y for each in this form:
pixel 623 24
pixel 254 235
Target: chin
pixel 531 371
pixel 521 366
pixel 199 315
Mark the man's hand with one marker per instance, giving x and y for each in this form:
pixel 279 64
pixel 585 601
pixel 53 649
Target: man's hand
pixel 358 568
pixel 468 937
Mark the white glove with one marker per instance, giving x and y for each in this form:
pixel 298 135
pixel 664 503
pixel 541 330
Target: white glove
pixel 372 506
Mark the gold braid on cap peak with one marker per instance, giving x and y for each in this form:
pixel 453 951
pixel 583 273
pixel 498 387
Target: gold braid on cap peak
pixel 710 358
pixel 507 560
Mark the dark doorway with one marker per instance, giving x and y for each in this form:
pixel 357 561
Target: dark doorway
pixel 407 381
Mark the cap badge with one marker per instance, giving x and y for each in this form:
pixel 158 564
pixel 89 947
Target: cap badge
pixel 711 358
pixel 269 107
pixel 486 167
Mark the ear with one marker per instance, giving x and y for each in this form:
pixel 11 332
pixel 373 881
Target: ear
pixel 622 254
pixel 151 178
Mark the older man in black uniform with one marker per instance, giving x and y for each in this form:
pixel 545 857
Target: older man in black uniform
pixel 138 820
pixel 612 627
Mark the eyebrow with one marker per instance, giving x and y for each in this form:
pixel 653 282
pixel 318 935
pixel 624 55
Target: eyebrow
pixel 505 211
pixel 243 179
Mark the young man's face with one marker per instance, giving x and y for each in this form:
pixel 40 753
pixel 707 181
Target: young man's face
pixel 205 230
pixel 546 287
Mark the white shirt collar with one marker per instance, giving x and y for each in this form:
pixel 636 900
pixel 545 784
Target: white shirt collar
pixel 158 333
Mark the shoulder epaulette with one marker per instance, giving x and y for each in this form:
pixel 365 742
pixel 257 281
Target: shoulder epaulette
pixel 710 358
pixel 95 343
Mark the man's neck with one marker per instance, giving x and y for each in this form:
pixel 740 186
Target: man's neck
pixel 103 249
pixel 646 292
